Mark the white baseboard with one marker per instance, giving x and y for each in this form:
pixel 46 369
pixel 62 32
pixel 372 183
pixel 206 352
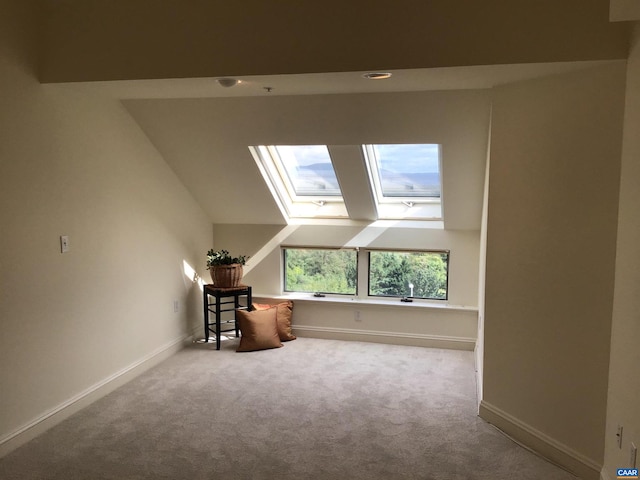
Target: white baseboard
pixel 52 417
pixel 556 452
pixel 394 338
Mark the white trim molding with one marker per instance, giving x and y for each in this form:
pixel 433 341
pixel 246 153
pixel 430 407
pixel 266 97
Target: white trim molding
pixel 554 451
pixel 52 417
pixel 394 338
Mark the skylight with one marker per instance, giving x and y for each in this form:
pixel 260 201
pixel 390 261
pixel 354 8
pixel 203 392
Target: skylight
pixel 405 171
pixel 400 181
pixel 405 180
pixel 309 170
pixel 301 179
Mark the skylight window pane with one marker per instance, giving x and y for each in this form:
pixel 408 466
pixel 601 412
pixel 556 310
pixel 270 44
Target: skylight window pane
pixel 409 170
pixel 309 170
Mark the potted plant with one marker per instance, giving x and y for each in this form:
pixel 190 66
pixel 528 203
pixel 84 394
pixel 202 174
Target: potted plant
pixel 226 270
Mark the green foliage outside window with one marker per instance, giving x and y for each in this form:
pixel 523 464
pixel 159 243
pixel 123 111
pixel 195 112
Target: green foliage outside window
pixel 391 273
pixel 325 271
pixel 405 274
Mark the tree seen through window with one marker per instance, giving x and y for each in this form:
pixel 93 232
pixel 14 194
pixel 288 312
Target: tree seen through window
pixel 408 274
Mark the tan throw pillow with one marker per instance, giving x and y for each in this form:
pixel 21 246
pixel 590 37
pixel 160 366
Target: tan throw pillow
pixel 283 318
pixel 259 330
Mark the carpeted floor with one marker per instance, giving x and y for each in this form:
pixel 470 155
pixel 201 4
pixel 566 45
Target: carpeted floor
pixel 314 409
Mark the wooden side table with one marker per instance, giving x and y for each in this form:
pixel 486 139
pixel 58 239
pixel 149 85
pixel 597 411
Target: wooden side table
pixel 231 296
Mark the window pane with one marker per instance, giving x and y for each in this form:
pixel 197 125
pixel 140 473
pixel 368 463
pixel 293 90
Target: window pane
pixel 309 169
pixel 408 274
pixel 325 271
pixel 409 170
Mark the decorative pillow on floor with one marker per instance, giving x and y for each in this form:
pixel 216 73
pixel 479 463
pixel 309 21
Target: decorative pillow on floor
pixel 259 330
pixel 283 318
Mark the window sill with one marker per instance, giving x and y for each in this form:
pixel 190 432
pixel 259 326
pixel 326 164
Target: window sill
pixel 383 302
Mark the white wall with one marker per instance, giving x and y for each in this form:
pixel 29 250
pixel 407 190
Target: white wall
pixel 264 273
pixel 623 401
pixel 77 165
pixel 553 202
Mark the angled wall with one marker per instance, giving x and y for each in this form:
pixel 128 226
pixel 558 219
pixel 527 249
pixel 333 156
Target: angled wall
pixel 623 405
pixel 551 243
pixel 78 165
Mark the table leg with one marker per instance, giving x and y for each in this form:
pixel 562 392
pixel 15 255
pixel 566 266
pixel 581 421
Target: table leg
pixel 218 322
pixel 205 302
pixel 236 305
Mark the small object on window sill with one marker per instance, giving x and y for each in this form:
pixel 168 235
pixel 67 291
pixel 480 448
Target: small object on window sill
pixel 318 294
pixel 406 299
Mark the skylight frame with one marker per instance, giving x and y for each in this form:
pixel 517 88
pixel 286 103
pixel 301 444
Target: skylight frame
pixel 291 205
pixel 402 207
pixel 288 183
pixel 376 178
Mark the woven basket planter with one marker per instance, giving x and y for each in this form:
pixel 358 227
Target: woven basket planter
pixel 226 276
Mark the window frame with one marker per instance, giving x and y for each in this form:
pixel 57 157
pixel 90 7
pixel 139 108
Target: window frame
pixel 376 179
pixel 284 248
pixel 291 205
pixel 399 250
pixel 363 272
pixel 288 182
pixel 399 207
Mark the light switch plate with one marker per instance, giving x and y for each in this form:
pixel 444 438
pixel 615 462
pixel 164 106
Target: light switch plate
pixel 64 243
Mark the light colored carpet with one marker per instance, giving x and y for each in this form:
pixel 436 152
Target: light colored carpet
pixel 314 409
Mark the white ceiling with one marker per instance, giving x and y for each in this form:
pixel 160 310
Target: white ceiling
pixel 206 140
pixel 450 78
pixel 203 130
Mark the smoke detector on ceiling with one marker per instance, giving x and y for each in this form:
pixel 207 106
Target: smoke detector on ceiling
pixel 227 82
pixel 377 75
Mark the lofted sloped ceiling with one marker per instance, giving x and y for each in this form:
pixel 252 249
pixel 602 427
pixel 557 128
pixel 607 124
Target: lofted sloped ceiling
pixel 163 57
pixel 206 142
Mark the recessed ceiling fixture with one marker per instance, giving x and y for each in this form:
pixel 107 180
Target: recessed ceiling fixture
pixel 227 82
pixel 377 75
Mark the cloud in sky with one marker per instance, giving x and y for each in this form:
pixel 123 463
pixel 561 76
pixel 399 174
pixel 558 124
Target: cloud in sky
pixel 304 155
pixel 419 158
pixel 398 158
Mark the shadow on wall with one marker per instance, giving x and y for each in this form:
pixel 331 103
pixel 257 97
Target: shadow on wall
pixel 262 243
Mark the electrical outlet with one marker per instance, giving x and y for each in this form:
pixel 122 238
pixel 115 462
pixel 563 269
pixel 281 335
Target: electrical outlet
pixel 356 316
pixel 633 455
pixel 619 436
pixel 176 306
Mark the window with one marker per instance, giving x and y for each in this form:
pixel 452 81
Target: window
pixel 405 179
pixel 301 179
pixel 309 171
pixel 405 171
pixel 408 274
pixel 391 273
pixel 321 270
pixel 400 182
